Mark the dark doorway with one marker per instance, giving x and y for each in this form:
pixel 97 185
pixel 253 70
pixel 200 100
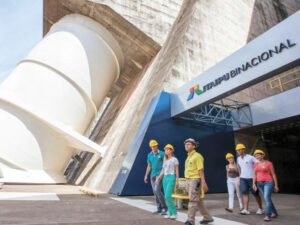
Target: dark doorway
pixel 284 151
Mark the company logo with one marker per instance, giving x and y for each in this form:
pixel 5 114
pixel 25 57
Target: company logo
pixel 194 90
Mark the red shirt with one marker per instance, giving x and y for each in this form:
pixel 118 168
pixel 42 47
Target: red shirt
pixel 263 172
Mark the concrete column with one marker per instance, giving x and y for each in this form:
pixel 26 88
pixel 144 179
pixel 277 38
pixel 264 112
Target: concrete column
pixel 124 128
pixel 52 96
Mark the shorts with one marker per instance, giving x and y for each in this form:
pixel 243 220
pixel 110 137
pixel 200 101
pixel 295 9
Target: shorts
pixel 246 186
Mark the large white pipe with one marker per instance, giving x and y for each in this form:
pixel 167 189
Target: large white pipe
pixel 53 94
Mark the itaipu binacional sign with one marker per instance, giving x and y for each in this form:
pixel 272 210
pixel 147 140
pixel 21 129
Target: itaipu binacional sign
pixel 269 53
pixel 255 61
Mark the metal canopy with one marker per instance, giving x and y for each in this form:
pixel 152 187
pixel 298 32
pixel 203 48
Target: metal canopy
pixel 225 112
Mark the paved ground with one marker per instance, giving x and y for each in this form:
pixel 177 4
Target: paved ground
pixel 62 205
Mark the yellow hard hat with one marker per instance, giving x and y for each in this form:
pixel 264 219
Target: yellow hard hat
pixel 153 143
pixel 240 146
pixel 229 155
pixel 169 146
pixel 258 151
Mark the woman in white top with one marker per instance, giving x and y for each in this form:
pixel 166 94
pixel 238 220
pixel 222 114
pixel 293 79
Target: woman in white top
pixel 170 176
pixel 233 174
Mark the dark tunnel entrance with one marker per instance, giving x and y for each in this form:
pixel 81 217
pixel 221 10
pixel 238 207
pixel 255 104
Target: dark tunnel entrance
pixel 281 141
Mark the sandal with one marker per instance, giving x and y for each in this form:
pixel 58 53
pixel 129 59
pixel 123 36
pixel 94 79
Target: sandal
pixel 267 219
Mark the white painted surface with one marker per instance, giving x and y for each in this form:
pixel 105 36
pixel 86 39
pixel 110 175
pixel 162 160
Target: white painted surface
pixel 29 196
pixel 182 217
pixel 51 97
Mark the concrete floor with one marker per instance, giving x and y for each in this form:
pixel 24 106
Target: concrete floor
pixel 74 208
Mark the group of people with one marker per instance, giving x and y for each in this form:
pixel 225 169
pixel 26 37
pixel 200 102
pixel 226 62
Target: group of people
pixel 163 170
pixel 251 173
pixel 248 174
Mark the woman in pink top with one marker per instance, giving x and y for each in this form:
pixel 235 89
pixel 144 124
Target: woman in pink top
pixel 265 180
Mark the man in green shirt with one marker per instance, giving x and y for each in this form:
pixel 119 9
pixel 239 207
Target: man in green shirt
pixel 155 161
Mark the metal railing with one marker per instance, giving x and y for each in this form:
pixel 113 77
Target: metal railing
pixel 288 78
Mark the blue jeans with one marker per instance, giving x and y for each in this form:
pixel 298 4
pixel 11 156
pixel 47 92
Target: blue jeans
pixel 159 196
pixel 246 184
pixel 266 188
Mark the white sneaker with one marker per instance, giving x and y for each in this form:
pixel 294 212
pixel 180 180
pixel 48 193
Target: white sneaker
pixel 167 217
pixel 259 211
pixel 245 212
pixel 173 217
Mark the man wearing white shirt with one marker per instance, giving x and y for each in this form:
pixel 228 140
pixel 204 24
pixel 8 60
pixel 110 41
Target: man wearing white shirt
pixel 245 164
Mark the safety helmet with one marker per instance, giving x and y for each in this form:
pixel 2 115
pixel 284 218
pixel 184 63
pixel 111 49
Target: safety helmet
pixel 169 146
pixel 229 155
pixel 191 140
pixel 258 151
pixel 153 143
pixel 239 147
